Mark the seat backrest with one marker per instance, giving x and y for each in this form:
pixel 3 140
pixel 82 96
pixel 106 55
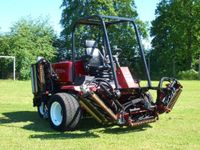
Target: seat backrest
pixel 95 54
pixel 96 58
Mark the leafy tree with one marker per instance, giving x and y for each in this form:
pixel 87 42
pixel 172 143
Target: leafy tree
pixel 74 9
pixel 175 34
pixel 27 40
pixel 5 64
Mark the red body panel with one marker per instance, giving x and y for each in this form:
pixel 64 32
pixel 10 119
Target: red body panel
pixel 125 78
pixel 64 70
pixel 79 68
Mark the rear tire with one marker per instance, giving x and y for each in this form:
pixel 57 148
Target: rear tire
pixel 64 112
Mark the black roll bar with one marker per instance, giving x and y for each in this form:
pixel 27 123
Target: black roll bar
pixel 91 20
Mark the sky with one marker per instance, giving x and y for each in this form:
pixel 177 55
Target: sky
pixel 12 10
pixel 146 9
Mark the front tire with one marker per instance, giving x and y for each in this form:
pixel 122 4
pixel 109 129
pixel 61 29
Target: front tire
pixel 64 112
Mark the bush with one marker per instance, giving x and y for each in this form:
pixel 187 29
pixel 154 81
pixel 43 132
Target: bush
pixel 189 75
pixel 27 40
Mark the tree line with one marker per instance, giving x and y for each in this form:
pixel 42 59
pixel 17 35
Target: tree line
pixel 175 36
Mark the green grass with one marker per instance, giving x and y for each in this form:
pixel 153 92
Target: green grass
pixel 21 128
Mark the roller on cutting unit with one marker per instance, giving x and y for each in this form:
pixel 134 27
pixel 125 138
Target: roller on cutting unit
pixel 95 83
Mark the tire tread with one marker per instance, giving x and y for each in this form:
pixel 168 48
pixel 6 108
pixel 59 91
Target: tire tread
pixel 72 111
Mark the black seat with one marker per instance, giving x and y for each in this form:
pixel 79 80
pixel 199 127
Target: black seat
pixel 94 54
pixel 95 61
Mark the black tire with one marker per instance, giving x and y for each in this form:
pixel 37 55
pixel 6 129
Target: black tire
pixel 64 112
pixel 41 112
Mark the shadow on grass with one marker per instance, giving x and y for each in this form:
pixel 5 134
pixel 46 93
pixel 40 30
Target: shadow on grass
pixel 84 130
pixel 65 135
pixel 34 122
pixel 124 130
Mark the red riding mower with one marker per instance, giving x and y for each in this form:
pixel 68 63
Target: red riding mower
pixel 95 84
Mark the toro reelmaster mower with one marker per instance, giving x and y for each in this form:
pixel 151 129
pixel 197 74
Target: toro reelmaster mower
pixel 94 83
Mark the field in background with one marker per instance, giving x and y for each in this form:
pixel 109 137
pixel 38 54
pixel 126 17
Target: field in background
pixel 21 128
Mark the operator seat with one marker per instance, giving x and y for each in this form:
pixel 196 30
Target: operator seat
pixel 93 53
pixel 96 64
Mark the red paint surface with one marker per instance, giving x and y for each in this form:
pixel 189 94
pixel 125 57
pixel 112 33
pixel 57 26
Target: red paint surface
pixel 125 78
pixel 79 68
pixel 64 71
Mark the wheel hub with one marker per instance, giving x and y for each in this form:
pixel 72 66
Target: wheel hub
pixel 56 113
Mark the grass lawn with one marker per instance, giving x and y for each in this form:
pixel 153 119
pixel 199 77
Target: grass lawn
pixel 21 128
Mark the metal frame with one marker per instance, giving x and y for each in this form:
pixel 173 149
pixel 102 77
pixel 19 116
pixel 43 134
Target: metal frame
pixel 14 63
pixel 99 20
